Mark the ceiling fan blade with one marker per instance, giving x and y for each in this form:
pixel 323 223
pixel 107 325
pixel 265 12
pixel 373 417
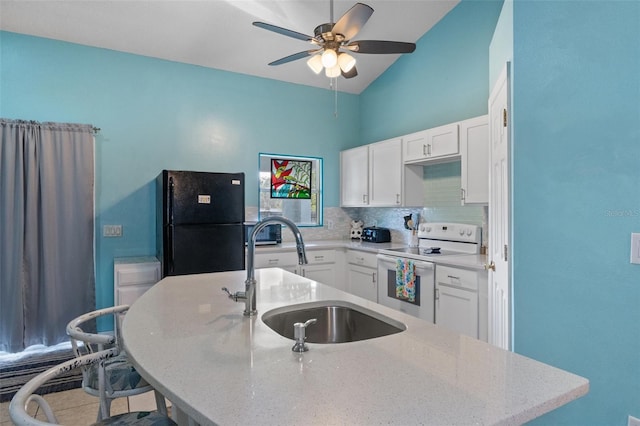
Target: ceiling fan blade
pixel 283 31
pixel 352 21
pixel 380 46
pixel 352 73
pixel 294 57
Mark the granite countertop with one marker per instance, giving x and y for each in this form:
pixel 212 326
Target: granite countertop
pixel 330 244
pixel 471 261
pixel 194 345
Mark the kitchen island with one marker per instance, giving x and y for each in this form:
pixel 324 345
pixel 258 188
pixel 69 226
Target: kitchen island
pixel 191 342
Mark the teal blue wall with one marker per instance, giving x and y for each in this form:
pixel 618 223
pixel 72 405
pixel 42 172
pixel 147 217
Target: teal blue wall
pixel 158 115
pixel 576 101
pixel 576 155
pixel 444 80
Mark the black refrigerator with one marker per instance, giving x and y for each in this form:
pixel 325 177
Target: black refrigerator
pixel 199 222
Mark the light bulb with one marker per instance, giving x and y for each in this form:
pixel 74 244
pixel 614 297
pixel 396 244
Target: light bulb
pixel 346 62
pixel 315 63
pixel 332 72
pixel 329 58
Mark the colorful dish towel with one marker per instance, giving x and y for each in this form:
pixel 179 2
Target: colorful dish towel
pixel 406 280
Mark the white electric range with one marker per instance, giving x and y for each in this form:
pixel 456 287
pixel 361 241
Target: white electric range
pixel 435 241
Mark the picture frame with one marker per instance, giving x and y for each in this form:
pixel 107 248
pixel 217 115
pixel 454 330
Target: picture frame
pixel 291 178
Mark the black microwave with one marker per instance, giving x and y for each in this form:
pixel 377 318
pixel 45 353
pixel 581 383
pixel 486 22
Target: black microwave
pixel 270 234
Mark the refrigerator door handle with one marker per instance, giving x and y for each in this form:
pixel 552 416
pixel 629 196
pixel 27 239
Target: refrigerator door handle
pixel 171 249
pixel 171 185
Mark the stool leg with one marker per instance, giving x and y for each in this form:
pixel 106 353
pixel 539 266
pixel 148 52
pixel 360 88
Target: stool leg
pixel 160 402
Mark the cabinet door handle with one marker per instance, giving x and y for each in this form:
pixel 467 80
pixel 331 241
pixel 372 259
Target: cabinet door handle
pixel 462 194
pixel 453 277
pixel 437 294
pixel 318 257
pixel 273 261
pixel 428 149
pixel 397 198
pixel 424 150
pixel 374 277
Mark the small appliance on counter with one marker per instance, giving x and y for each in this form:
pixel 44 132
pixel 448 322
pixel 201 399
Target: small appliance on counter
pixel 271 234
pixel 373 234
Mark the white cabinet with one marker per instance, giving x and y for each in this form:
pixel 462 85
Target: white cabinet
pixel 435 144
pixel 354 177
pixel 362 271
pixel 474 150
pixel 383 181
pixel 461 301
pixel 287 260
pixel 322 264
pixel 132 276
pixel 321 267
pixel 385 173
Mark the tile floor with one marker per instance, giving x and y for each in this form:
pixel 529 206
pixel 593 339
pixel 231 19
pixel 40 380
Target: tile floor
pixel 73 408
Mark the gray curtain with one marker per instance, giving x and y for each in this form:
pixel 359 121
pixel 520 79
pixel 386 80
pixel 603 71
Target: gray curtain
pixel 46 230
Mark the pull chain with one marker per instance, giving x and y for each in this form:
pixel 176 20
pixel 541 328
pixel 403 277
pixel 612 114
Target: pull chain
pixel 335 97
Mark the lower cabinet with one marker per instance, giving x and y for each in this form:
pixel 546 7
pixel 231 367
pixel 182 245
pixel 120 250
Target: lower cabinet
pixel 132 276
pixel 287 260
pixel 460 294
pixel 322 265
pixel 461 300
pixel 362 274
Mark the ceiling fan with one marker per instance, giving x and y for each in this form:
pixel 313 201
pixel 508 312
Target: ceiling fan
pixel 334 41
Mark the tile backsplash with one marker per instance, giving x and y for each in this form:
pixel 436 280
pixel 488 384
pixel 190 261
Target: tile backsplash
pixel 392 218
pixel 441 193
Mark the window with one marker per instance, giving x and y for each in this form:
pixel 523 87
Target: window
pixel 291 186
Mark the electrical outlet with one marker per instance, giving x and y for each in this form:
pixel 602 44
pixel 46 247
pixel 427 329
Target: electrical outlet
pixel 633 421
pixel 635 248
pixel 112 231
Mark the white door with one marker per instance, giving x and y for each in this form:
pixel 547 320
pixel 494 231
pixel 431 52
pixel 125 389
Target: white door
pixel 385 173
pixel 354 177
pixel 499 332
pixel 457 309
pixel 362 282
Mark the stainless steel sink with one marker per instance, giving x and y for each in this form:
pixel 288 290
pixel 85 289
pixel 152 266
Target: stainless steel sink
pixel 337 322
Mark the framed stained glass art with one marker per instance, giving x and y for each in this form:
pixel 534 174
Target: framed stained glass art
pixel 290 178
pixel 290 186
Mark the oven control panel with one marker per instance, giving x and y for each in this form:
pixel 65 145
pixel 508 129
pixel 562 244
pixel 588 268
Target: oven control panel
pixel 450 231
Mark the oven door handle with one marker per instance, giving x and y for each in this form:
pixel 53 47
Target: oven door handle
pixel 421 264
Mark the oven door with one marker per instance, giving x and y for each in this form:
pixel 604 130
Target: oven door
pixel 423 306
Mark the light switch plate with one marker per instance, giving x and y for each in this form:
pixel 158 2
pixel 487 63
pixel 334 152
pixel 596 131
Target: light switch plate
pixel 112 231
pixel 635 248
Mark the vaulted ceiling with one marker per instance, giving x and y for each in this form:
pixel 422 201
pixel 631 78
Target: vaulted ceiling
pixel 219 33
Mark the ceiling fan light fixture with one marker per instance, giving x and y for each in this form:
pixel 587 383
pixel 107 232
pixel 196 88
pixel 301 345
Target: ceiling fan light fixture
pixel 333 71
pixel 346 62
pixel 329 58
pixel 315 63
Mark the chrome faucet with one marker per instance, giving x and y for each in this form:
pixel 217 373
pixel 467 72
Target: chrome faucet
pixel 249 295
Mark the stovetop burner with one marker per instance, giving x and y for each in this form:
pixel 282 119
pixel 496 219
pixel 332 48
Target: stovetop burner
pixel 430 250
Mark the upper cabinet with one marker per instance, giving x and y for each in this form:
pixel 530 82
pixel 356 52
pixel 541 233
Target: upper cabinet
pixel 390 173
pixel 439 143
pixel 354 177
pixel 374 176
pixel 474 150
